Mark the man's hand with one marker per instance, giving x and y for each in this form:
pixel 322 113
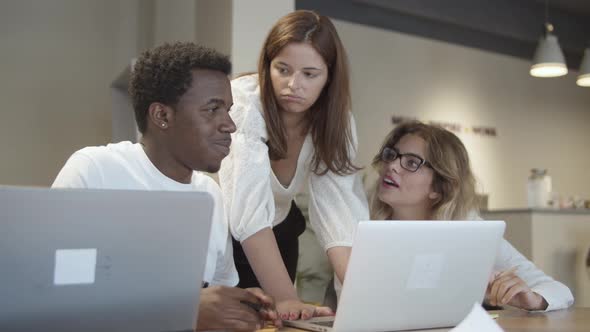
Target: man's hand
pixel 222 308
pixel 267 311
pixel 507 288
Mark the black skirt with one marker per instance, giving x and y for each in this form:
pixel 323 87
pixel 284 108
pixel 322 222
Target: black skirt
pixel 287 234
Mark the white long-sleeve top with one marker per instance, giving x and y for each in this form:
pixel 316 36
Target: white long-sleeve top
pixel 254 198
pixel 557 295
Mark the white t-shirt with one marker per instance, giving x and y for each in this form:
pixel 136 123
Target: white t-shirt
pixel 125 165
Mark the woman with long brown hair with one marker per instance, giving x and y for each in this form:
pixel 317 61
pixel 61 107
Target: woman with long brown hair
pixel 425 174
pixel 295 131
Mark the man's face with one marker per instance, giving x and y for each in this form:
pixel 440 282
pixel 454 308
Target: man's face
pixel 200 137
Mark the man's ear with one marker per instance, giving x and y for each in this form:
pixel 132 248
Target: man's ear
pixel 160 115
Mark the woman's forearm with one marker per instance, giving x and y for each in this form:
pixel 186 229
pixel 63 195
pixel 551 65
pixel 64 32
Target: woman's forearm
pixel 268 266
pixel 339 257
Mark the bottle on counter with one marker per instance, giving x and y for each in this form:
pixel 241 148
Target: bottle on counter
pixel 538 188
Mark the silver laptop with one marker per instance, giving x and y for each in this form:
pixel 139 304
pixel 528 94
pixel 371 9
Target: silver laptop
pixel 405 275
pixel 101 260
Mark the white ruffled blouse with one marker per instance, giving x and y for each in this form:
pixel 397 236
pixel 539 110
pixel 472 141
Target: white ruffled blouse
pixel 254 199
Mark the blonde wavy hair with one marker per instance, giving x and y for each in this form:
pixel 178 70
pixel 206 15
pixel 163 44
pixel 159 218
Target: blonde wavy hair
pixel 453 178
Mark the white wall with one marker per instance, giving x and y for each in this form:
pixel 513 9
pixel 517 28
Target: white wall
pixel 540 122
pixel 58 58
pixel 251 23
pixel 57 62
pixel 214 24
pixel 174 21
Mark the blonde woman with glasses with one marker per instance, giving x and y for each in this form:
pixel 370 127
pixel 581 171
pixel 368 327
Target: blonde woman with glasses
pixel 425 174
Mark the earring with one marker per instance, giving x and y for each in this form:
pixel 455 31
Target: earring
pixel 163 125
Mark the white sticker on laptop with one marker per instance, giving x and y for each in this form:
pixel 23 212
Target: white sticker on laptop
pixel 426 271
pixel 74 266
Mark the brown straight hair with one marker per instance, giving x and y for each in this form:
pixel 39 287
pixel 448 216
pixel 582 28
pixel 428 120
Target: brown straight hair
pixel 328 119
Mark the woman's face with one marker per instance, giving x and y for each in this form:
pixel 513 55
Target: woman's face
pixel 399 187
pixel 298 74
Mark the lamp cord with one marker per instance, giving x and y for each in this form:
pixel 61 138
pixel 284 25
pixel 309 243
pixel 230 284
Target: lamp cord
pixel 548 27
pixel 546 12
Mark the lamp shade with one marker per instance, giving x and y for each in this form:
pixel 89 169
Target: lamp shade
pixel 584 77
pixel 548 60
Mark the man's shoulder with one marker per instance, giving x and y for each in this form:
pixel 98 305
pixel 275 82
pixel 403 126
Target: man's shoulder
pixel 107 153
pixel 93 166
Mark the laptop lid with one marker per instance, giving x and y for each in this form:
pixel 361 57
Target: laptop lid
pixel 101 260
pixel 416 274
pixel 405 275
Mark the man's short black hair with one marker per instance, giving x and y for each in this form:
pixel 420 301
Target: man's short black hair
pixel 163 75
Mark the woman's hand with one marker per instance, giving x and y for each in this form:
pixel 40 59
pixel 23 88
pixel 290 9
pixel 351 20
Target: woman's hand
pixel 506 288
pixel 295 309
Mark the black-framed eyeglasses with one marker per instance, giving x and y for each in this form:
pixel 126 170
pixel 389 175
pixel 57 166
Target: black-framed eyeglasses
pixel 408 161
